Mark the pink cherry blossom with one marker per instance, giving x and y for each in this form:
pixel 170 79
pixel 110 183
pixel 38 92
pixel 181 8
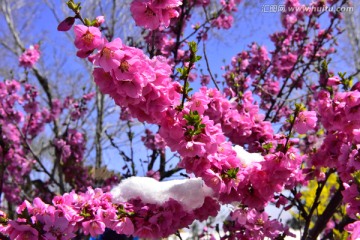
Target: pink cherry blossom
pixel 30 57
pixel 305 121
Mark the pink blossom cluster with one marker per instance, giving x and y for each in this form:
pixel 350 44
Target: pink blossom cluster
pixel 35 118
pixel 295 33
pixel 93 211
pixel 145 88
pixel 225 19
pixel 154 14
pixel 241 123
pixel 264 72
pixel 153 141
pixel 351 198
pixel 30 56
pixel 153 221
pixel 251 70
pixel 340 148
pixel 278 171
pixel 339 113
pixel 14 154
pixel 245 66
pixel 339 116
pixel 71 148
pixel 134 81
pixel 23 121
pixel 247 223
pixel 77 107
pixel 207 154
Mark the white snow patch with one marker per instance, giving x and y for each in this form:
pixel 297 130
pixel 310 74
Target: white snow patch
pixel 190 193
pixel 245 157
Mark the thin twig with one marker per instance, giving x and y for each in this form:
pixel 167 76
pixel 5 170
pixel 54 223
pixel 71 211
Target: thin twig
pixel 208 67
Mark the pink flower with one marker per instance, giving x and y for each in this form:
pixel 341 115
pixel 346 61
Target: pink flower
pixel 30 57
pixel 213 180
pixel 154 14
pixel 110 55
pixel 99 20
pixel 144 15
pixel 19 231
pixel 104 81
pixel 306 120
pixel 223 21
pixel 166 4
pixel 354 229
pixel 333 81
pixel 94 227
pixel 124 226
pixel 87 39
pixel 57 227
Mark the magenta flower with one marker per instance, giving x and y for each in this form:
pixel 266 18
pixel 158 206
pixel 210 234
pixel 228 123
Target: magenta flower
pixel 20 231
pixel 87 39
pixel 94 227
pixel 124 226
pixel 305 121
pixel 333 81
pixel 144 15
pixel 154 14
pixel 110 55
pixel 354 229
pixel 30 57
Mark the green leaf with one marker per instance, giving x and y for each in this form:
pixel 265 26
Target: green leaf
pixel 356 176
pixel 299 107
pixel 267 146
pixel 192 46
pixel 230 173
pixel 87 22
pixel 180 70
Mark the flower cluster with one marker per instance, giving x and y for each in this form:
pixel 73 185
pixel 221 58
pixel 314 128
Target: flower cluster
pixel 153 142
pixel 93 211
pixel 241 123
pixel 30 56
pixel 90 211
pixel 154 221
pixel 15 161
pixel 153 14
pixel 23 120
pixel 134 81
pixel 247 223
pixel 204 149
pixel 77 107
pixel 71 148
